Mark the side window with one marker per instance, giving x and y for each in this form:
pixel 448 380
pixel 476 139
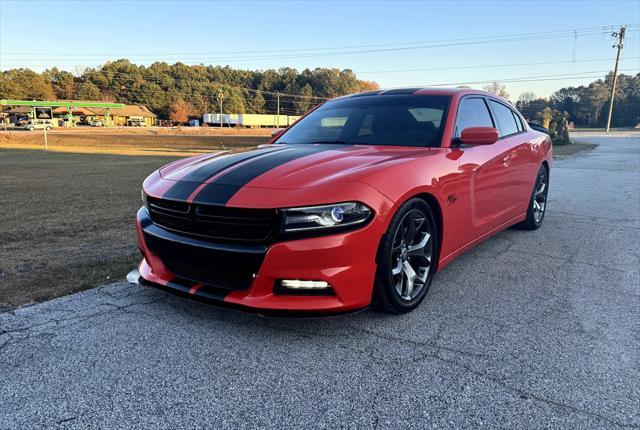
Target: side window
pixel 472 112
pixel 506 121
pixel 518 122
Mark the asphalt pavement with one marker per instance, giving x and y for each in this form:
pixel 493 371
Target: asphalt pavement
pixel 528 330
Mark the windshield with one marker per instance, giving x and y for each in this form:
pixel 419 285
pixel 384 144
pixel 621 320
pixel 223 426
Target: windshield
pixel 399 120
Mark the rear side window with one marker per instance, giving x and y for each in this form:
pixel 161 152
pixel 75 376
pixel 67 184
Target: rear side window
pixel 472 112
pixel 518 121
pixel 506 119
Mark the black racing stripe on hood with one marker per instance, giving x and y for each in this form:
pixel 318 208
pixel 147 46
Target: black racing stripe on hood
pixel 220 191
pixel 183 188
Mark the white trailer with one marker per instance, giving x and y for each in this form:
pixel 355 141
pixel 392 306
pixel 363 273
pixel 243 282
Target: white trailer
pixel 249 120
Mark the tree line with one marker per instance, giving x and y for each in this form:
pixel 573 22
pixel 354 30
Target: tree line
pixel 586 105
pixel 170 88
pixel 179 90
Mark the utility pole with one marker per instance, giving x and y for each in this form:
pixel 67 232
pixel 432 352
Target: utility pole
pixel 278 110
pixel 620 36
pixel 220 97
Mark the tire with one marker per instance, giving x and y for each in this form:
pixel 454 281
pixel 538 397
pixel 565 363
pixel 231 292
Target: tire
pixel 538 202
pixel 47 128
pixel 31 128
pixel 393 292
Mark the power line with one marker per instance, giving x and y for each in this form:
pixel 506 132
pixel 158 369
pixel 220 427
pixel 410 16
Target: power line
pixel 572 75
pixel 563 76
pixel 484 66
pixel 561 33
pixel 583 75
pixel 113 87
pixel 457 67
pixel 462 42
pixel 590 74
pixel 151 79
pixel 132 96
pixel 147 79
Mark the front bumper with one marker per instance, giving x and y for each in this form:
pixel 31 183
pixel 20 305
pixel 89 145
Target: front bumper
pixel 347 261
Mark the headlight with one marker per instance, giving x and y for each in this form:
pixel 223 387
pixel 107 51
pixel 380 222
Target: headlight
pixel 324 217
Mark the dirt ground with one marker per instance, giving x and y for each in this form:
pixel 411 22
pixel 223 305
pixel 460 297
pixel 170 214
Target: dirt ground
pixel 67 218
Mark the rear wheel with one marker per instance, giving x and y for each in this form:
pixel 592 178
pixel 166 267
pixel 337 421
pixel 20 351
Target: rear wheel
pixel 406 259
pixel 538 202
pixel 31 128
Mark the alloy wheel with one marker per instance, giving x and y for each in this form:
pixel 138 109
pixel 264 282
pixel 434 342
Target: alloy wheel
pixel 540 197
pixel 411 255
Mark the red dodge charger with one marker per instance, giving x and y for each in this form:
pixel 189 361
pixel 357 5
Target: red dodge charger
pixel 358 203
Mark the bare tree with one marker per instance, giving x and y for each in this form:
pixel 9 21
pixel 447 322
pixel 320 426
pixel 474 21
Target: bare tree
pixel 497 88
pixel 526 98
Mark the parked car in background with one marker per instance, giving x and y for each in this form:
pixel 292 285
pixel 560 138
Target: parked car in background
pixel 38 124
pixel 96 123
pixel 136 122
pixel 359 202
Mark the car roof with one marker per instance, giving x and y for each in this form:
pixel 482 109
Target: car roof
pixel 445 91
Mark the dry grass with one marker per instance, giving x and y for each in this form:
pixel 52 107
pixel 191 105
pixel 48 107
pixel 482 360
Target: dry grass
pixel 138 142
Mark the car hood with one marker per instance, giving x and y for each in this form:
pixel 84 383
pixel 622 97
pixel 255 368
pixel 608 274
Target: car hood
pixel 290 166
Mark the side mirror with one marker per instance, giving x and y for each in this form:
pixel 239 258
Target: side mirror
pixel 479 136
pixel 277 132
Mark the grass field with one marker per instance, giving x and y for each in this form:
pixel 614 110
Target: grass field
pixel 67 220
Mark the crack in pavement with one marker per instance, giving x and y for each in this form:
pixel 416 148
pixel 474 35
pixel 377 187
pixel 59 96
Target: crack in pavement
pixel 528 394
pixel 430 346
pixel 74 319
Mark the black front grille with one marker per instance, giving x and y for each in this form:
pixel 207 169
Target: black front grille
pixel 221 223
pixel 230 279
pixel 230 267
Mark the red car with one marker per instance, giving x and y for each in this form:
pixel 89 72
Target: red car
pixel 358 203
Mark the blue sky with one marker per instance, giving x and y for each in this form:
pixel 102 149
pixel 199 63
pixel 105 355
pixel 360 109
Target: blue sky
pixel 262 35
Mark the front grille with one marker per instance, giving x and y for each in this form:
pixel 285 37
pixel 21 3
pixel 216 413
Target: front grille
pixel 229 279
pixel 230 267
pixel 221 223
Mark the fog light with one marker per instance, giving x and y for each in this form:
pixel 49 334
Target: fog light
pixel 297 284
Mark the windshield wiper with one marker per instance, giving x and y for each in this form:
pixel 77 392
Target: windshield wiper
pixel 334 142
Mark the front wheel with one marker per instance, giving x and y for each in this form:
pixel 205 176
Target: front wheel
pixel 538 202
pixel 406 259
pixel 31 128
